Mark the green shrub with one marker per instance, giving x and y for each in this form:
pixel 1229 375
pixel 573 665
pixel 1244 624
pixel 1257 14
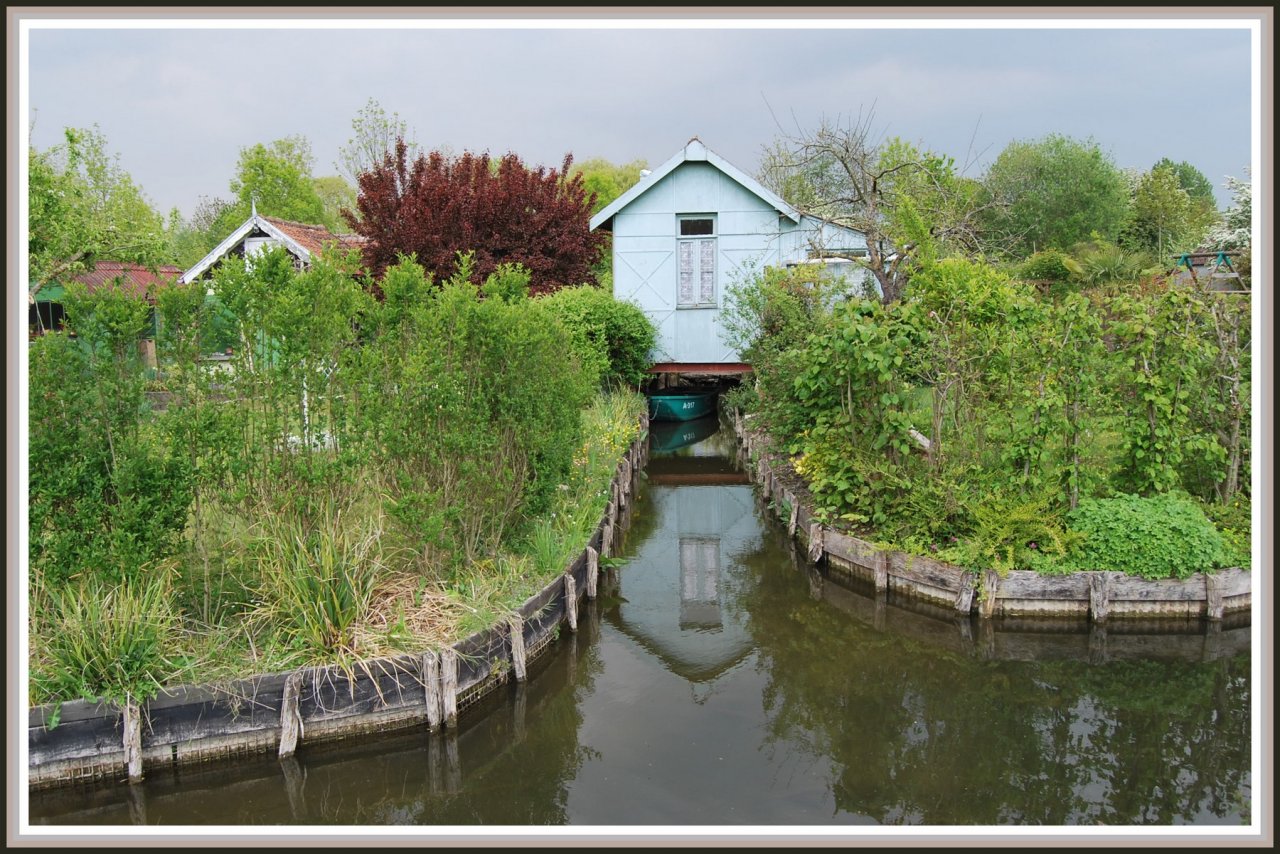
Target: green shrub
pixel 613 339
pixel 1165 536
pixel 1049 266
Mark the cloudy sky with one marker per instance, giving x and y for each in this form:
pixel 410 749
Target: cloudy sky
pixel 178 105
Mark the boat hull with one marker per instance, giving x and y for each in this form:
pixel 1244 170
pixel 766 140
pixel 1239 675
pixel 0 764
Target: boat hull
pixel 681 407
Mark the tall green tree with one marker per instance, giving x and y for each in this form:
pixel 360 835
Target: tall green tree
pixel 608 180
pixel 1052 193
pixel 337 195
pixel 1163 216
pixel 1190 178
pixel 84 207
pixel 278 178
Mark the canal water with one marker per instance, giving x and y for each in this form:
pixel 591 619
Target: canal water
pixel 719 680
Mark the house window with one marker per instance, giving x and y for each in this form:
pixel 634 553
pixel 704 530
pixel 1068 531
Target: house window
pixel 696 236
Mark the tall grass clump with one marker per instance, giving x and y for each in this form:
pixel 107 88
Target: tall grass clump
pixel 112 641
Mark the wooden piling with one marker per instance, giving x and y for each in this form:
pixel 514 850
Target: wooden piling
pixel 516 628
pixel 964 599
pixel 1213 607
pixel 449 687
pixel 795 516
pixel 815 542
pixel 593 571
pixel 1099 596
pixel 990 584
pixel 133 740
pixel 606 540
pixel 431 687
pixel 570 601
pixel 290 717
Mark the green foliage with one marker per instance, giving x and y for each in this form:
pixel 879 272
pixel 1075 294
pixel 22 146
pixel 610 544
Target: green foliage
pixel 1164 218
pixel 108 496
pixel 1048 265
pixel 1052 193
pixel 1098 262
pixel 1014 532
pixel 1190 179
pixel 1164 536
pixel 1234 522
pixel 84 207
pixel 277 178
pixel 608 180
pixel 612 339
pixel 109 640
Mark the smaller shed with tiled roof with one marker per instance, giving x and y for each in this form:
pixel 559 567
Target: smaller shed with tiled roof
pixel 259 233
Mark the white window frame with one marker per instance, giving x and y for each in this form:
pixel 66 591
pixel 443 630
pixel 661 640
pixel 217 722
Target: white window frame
pixel 695 245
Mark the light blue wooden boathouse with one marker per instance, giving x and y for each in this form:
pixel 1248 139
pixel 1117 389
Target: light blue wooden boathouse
pixel 693 226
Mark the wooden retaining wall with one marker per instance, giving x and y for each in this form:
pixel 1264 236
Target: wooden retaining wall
pixel 279 711
pixel 1097 596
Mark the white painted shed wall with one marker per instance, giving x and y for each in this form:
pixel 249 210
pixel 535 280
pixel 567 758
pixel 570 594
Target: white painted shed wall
pixel 750 234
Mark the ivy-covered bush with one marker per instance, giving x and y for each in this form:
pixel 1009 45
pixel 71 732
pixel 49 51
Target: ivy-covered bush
pixel 1163 536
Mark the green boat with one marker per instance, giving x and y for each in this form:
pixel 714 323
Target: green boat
pixel 681 407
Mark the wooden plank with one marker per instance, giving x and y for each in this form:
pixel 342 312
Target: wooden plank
pixel 1235 582
pixel 990 591
pixel 1025 584
pixel 1132 588
pixel 923 570
pixel 290 719
pixel 854 550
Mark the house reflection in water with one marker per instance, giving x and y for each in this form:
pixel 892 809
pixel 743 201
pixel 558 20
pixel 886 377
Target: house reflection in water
pixel 678 584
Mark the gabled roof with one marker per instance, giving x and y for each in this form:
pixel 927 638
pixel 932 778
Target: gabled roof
pixel 134 278
pixel 301 239
pixel 695 151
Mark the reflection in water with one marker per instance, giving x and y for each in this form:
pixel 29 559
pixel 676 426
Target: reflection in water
pixel 719 680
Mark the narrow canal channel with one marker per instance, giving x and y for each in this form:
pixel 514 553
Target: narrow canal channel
pixel 720 680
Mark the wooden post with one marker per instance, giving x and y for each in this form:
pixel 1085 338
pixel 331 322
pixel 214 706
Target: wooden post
pixel 964 599
pixel 449 687
pixel 990 586
pixel 593 571
pixel 516 628
pixel 815 542
pixel 431 685
pixel 795 516
pixel 766 482
pixel 1213 605
pixel 290 718
pixel 606 539
pixel 881 572
pixel 1099 596
pixel 133 740
pixel 570 601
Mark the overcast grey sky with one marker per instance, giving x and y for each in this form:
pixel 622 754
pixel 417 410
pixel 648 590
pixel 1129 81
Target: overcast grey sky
pixel 178 105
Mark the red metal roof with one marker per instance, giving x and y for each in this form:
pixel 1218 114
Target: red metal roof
pixel 135 278
pixel 314 238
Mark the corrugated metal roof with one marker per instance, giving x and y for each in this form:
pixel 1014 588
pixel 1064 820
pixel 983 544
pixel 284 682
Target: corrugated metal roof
pixel 133 277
